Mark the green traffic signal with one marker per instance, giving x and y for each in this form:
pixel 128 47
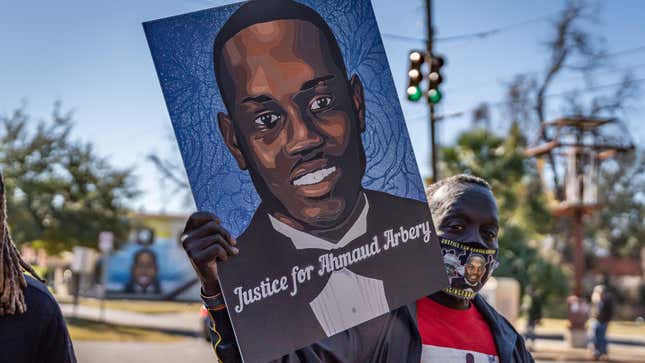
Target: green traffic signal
pixel 414 93
pixel 434 96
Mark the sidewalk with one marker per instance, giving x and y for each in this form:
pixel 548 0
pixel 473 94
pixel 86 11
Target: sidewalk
pixel 559 351
pixel 188 324
pixel 614 339
pixel 188 350
pixel 549 346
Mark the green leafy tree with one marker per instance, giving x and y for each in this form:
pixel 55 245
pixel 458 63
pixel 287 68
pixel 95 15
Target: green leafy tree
pixel 524 217
pixel 60 193
pixel 618 229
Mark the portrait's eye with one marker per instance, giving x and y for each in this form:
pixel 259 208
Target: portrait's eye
pixel 320 103
pixel 266 120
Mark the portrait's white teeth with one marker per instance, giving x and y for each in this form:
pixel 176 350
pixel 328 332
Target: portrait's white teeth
pixel 314 177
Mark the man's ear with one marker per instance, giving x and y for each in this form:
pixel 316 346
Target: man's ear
pixel 230 139
pixel 358 98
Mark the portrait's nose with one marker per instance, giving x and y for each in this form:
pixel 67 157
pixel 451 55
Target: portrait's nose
pixel 302 134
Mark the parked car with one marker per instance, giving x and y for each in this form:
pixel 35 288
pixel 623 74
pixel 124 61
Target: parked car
pixel 206 323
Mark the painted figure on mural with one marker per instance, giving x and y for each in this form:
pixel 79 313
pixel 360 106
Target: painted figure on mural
pixel 144 273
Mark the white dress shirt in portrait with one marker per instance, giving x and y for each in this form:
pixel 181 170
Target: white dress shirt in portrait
pixel 347 299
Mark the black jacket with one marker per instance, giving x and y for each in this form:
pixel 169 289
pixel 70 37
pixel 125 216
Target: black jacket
pixel 398 343
pixel 392 337
pixel 509 343
pixel 40 334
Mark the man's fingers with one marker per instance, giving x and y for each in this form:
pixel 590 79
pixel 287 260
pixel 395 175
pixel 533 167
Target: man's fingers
pixel 194 246
pixel 206 229
pixel 197 219
pixel 213 252
pixel 230 249
pixel 227 235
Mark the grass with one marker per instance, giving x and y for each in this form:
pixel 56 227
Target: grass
pixel 615 327
pixel 145 307
pixel 82 329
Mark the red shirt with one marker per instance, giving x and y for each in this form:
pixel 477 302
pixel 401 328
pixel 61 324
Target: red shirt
pixel 451 335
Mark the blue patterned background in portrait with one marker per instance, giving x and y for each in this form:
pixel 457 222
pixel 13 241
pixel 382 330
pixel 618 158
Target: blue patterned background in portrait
pixel 181 48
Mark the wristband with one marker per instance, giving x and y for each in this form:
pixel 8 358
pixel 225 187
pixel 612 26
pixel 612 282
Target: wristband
pixel 215 302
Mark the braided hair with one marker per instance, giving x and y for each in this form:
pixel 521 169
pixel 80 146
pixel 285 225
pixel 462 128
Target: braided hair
pixel 12 280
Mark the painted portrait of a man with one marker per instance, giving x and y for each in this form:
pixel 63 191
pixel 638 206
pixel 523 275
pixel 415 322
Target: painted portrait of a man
pixel 144 274
pixel 321 252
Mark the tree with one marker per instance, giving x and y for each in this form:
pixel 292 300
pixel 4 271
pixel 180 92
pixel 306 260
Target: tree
pixel 576 55
pixel 619 229
pixel 173 179
pixel 524 217
pixel 60 193
pixel 573 54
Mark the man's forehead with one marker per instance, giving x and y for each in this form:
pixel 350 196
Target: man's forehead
pixel 476 260
pixel 276 58
pixel 278 39
pixel 465 197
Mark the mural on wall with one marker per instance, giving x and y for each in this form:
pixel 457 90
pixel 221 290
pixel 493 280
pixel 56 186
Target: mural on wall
pixel 152 264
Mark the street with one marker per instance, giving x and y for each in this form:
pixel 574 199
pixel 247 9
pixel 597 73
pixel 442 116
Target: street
pixel 189 350
pixel 196 350
pixel 185 347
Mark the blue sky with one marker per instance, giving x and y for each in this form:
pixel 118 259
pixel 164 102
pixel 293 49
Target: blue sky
pixel 93 57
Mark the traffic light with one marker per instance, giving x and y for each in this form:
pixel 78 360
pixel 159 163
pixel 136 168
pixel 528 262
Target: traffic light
pixel 415 76
pixel 434 79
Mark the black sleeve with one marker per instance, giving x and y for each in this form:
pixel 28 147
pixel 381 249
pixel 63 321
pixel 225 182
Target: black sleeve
pixel 223 337
pixel 55 344
pixel 520 353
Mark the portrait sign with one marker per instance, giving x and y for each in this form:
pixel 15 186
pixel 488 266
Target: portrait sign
pixel 290 130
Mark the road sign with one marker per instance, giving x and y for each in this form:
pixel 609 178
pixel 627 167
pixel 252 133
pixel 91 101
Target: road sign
pixel 82 260
pixel 106 241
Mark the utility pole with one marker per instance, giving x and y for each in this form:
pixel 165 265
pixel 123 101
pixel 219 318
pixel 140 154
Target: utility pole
pixel 416 75
pixel 433 145
pixel 581 144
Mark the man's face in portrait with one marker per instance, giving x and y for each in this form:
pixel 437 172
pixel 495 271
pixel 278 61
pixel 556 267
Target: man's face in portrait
pixel 144 271
pixel 475 268
pixel 295 121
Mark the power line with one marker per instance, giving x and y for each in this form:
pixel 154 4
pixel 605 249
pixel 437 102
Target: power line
pixel 468 36
pixel 402 37
pixel 494 31
pixel 608 55
pixel 503 103
pixel 575 78
pixel 628 51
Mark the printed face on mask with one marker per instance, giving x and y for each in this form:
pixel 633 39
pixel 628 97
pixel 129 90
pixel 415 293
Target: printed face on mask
pixel 469 265
pixel 475 268
pixel 467 223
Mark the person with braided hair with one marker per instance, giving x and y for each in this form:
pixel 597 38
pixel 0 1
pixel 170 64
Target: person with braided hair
pixel 32 328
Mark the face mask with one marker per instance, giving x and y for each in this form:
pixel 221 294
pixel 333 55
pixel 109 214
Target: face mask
pixel 468 266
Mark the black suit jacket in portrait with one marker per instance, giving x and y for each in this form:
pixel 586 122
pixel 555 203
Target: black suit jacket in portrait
pixel 283 323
